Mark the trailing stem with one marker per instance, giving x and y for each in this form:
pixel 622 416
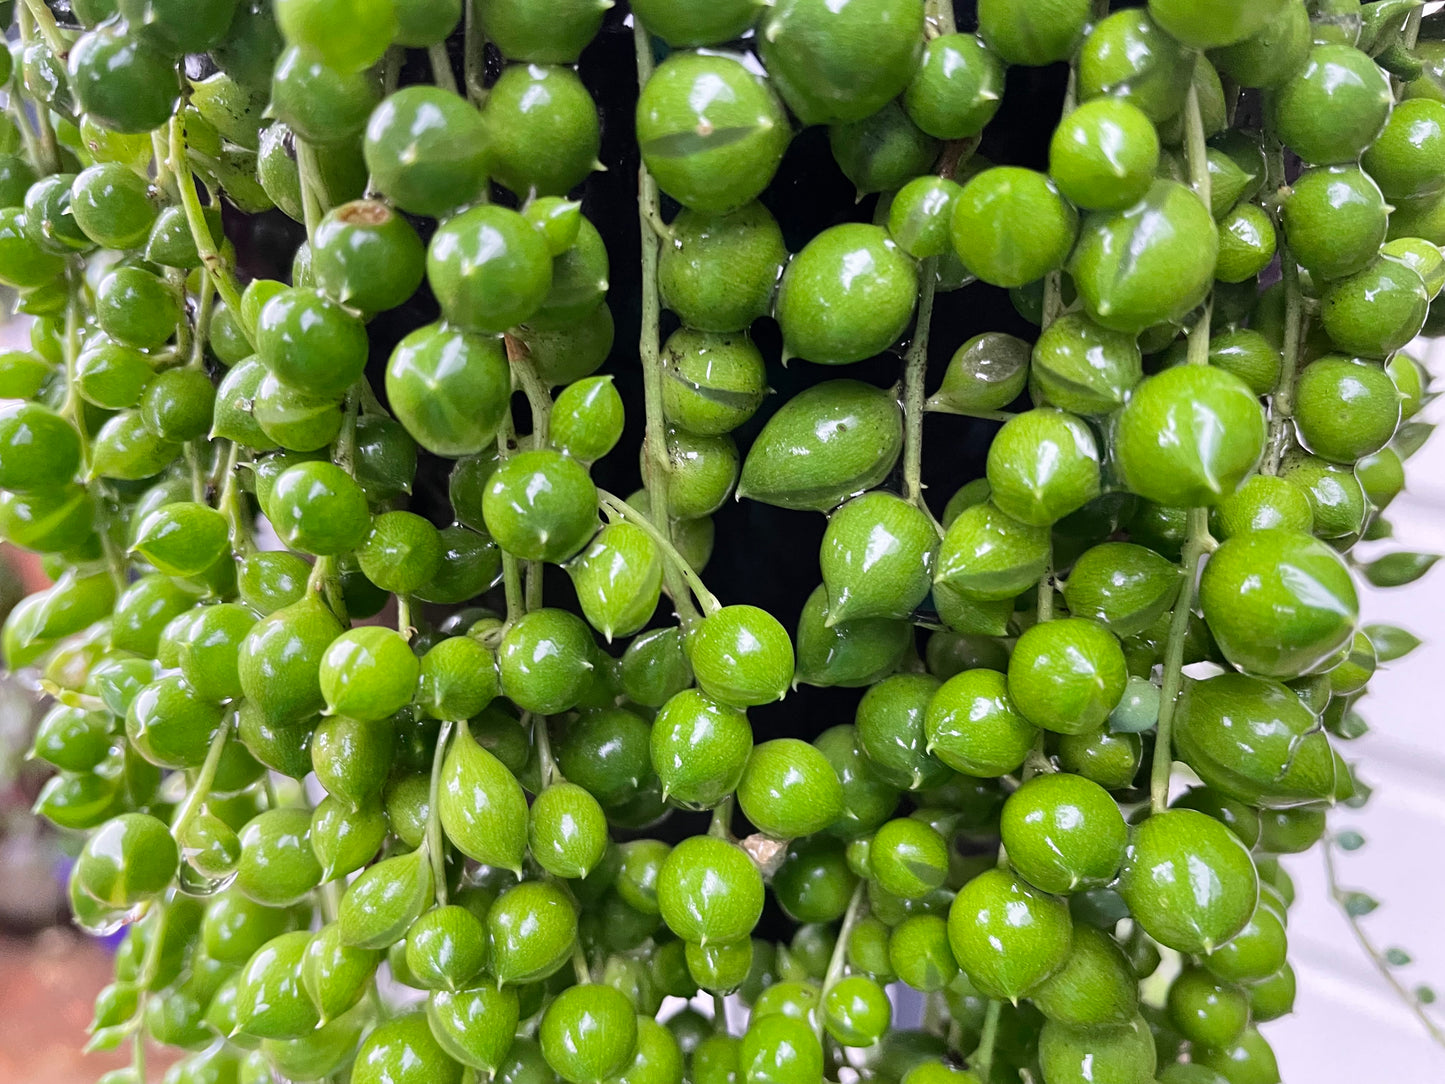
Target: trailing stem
pixel 655 467
pixel 915 369
pixel 435 842
pixel 1377 958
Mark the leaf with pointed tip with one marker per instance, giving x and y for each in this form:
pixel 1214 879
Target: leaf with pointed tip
pixel 380 905
pixel 482 806
pixel 1399 569
pixel 1359 904
pixel 1391 642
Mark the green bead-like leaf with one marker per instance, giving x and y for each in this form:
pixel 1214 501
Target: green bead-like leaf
pixel 380 905
pixel 989 556
pixel 618 578
pixel 1122 586
pixel 1359 904
pixel 1391 642
pixel 826 444
pixel 1350 841
pixel 483 808
pixel 850 654
pixel 182 539
pixel 475 1026
pixel 334 974
pixel 1399 569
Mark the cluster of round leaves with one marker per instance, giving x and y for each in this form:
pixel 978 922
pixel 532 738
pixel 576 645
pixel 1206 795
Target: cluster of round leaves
pixel 488 784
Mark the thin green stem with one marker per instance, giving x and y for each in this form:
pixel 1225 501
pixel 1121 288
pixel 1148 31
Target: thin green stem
pixel 474 56
pixel 403 617
pixel 655 465
pixel 311 210
pixel 27 134
pixel 48 149
pixel 1410 36
pixel 721 824
pixel 839 958
pixel 204 309
pixel 73 408
pixel 539 398
pixel 330 901
pixel 1295 323
pixel 1377 958
pixel 613 503
pixel 391 70
pixel 435 841
pixel 1046 591
pixel 192 452
pixel 1196 152
pixel 512 587
pixel 1173 681
pixel 981 1061
pixel 580 967
pixel 230 503
pixel 546 763
pixel 441 68
pixel 915 370
pixel 344 454
pixel 1197 541
pixel 940 14
pixel 44 20
pixel 1053 303
pixel 201 785
pixel 206 247
pixel 325 580
pixel 1199 336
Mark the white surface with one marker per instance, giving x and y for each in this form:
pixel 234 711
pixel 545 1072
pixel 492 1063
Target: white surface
pixel 1348 1026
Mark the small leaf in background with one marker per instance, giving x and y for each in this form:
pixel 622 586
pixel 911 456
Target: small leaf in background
pixel 1350 841
pixel 1379 529
pixel 1391 642
pixel 1398 957
pixel 1425 995
pixel 1361 797
pixel 1411 437
pixel 1399 569
pixel 1359 904
pixel 1350 726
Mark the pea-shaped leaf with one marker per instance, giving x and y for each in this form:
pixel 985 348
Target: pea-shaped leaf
pixel 618 578
pixel 483 808
pixel 986 373
pixel 380 905
pixel 1251 739
pixel 827 443
pixel 1122 586
pixel 1399 569
pixel 1391 642
pixel 270 1000
pixel 475 1026
pixel 852 653
pixel 989 556
pixel 334 974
